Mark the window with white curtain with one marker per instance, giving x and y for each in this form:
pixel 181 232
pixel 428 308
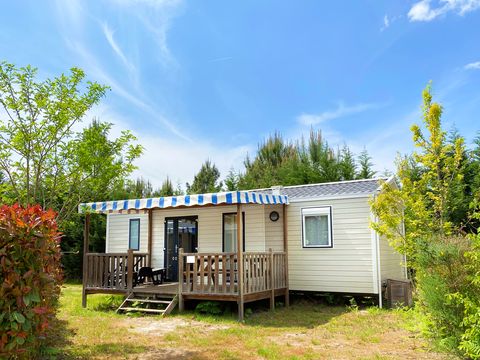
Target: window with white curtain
pixel 317 227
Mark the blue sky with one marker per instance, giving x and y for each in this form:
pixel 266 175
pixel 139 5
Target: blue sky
pixel 210 79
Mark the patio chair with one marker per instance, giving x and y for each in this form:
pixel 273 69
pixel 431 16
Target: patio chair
pixel 156 276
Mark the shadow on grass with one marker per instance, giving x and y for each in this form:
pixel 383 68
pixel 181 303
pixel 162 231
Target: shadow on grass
pixel 302 313
pixel 58 339
pixel 59 345
pixel 297 315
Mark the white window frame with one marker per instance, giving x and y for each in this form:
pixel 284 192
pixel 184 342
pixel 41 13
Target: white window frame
pixel 320 210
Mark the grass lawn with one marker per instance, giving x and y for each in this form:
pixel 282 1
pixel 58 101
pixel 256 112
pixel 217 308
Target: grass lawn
pixel 305 330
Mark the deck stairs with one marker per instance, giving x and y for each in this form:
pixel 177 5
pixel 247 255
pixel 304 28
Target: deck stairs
pixel 161 304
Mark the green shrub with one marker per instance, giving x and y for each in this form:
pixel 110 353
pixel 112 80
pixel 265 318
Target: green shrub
pixel 448 283
pixel 470 342
pixel 209 308
pixel 30 276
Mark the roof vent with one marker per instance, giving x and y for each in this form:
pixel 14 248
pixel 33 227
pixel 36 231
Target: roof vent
pixel 277 190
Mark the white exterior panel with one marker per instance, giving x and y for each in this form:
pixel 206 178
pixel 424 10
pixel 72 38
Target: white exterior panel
pixel 347 266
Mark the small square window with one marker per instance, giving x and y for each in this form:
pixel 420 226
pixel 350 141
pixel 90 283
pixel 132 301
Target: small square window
pixel 134 234
pixel 317 227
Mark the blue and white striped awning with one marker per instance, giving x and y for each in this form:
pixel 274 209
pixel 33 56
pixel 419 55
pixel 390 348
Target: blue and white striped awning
pixel 232 197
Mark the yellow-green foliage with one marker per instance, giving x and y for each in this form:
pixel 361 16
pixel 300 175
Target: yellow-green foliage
pixel 422 201
pixel 432 202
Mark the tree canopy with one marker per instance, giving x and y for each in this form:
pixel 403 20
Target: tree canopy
pixel 206 180
pixel 280 162
pixel 44 159
pixel 437 200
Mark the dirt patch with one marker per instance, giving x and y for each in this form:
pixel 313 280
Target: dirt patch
pixel 392 344
pixel 159 327
pixel 162 326
pixel 171 353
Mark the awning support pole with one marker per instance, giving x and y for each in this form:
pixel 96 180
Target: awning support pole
pixel 240 262
pixel 86 233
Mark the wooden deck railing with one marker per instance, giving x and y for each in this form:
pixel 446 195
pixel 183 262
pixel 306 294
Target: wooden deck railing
pixel 111 270
pixel 217 273
pixel 209 273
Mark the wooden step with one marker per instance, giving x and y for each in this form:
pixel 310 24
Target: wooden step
pixel 152 301
pixel 142 309
pixel 132 297
pixel 159 296
pixel 171 306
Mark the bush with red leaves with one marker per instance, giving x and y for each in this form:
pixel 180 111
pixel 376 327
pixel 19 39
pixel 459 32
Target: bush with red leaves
pixel 30 277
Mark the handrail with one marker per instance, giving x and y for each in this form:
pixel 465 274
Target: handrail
pixel 116 254
pixel 112 271
pixel 217 273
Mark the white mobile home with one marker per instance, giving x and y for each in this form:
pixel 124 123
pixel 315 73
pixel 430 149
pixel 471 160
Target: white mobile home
pixel 306 238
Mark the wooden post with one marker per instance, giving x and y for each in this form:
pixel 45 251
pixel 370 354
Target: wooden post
pixel 285 248
pixel 150 237
pixel 272 281
pixel 86 233
pixel 130 270
pixel 240 261
pixel 180 280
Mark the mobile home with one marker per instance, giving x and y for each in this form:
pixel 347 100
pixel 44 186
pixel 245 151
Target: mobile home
pixel 245 245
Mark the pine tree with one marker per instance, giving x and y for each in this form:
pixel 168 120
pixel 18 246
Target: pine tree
pixel 231 181
pixel 365 162
pixel 167 188
pixel 347 164
pixel 206 180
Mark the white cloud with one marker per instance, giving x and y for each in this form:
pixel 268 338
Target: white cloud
pixel 108 32
pixel 386 23
pixel 93 67
pixel 340 111
pixel 176 158
pixel 71 13
pixel 472 66
pixel 156 16
pixel 425 11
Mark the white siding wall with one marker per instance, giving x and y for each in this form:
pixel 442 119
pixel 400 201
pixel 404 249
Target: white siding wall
pixel 273 230
pixel 117 232
pixel 348 266
pixel 392 264
pixel 209 229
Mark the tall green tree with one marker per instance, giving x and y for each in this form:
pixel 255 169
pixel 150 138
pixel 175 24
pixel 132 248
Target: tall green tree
pixel 307 161
pixel 46 161
pixel 167 188
pixel 270 165
pixel 323 160
pixel 436 201
pixel 231 181
pixel 347 164
pixel 206 180
pixel 429 179
pixel 365 164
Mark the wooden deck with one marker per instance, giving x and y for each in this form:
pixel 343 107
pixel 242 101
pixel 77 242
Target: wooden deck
pixel 163 289
pixel 203 276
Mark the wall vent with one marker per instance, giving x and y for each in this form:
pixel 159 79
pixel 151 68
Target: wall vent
pixel 399 293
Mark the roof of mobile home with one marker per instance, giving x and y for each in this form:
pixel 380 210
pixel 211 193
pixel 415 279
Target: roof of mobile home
pixel 273 195
pixel 332 189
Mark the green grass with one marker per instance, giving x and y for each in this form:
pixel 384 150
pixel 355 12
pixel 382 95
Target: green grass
pixel 305 330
